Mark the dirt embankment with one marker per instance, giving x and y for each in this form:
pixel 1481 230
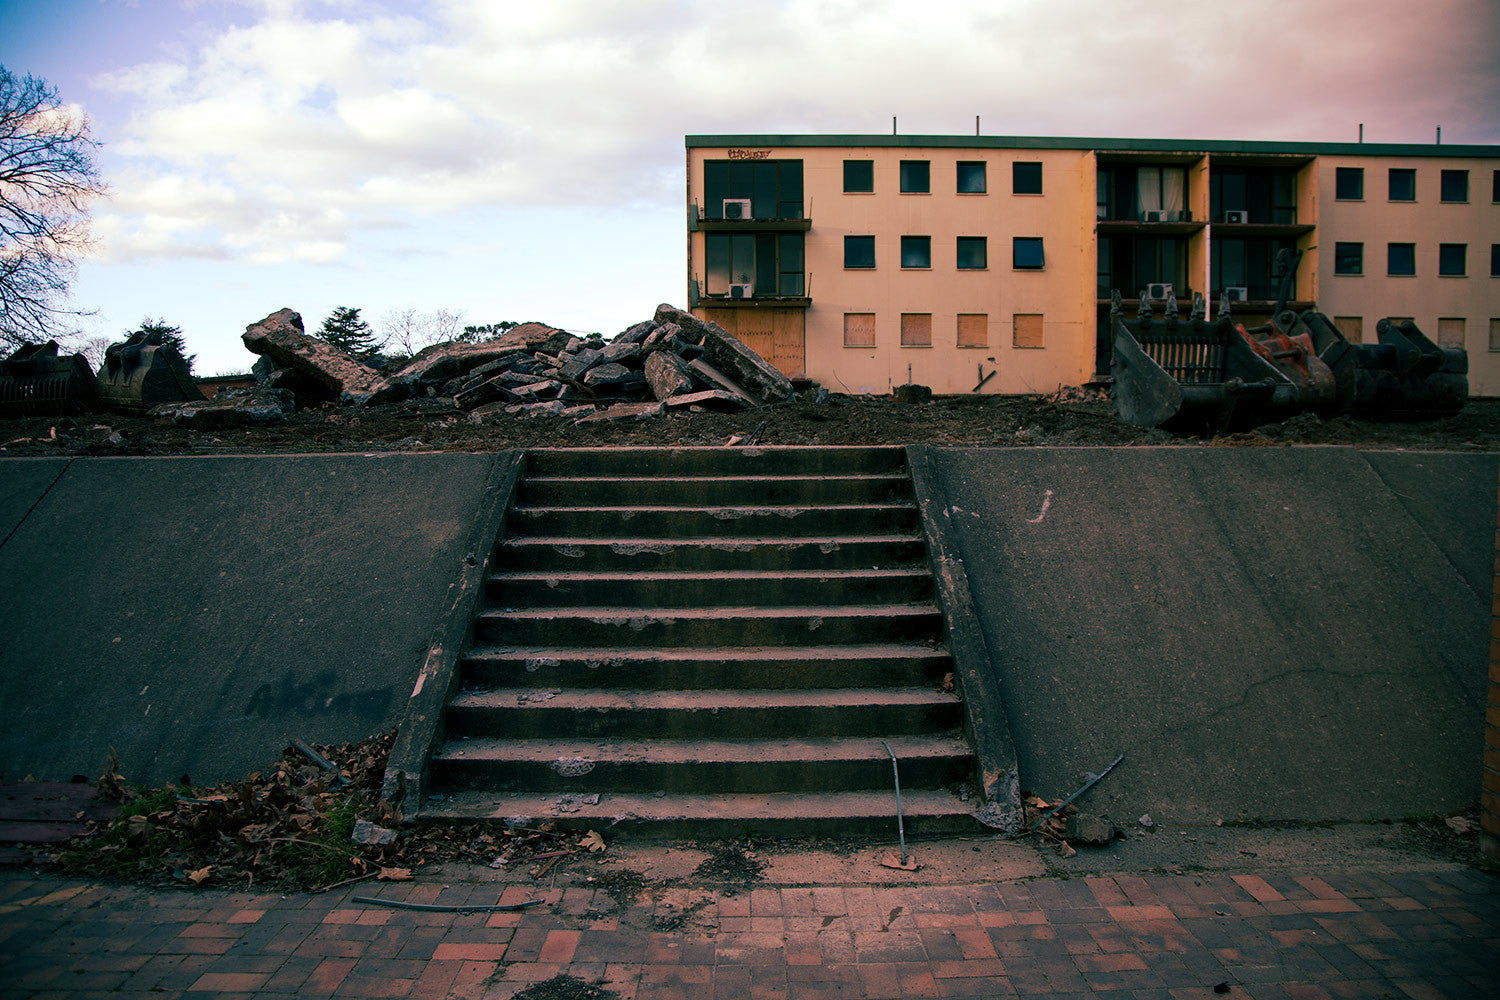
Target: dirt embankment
pixel 1067 418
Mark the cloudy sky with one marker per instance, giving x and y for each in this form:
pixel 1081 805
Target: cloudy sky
pixel 524 160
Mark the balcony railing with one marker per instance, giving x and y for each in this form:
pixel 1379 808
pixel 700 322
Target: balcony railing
pixel 739 296
pixel 791 218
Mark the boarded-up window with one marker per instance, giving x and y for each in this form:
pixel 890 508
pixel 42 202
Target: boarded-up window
pixel 859 329
pixel 973 330
pixel 1495 334
pixel 1352 327
pixel 916 329
pixel 1451 332
pixel 1028 330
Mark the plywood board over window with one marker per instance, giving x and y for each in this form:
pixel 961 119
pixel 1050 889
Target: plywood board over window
pixel 1028 330
pixel 1352 327
pixel 1495 334
pixel 973 330
pixel 859 329
pixel 1451 332
pixel 916 329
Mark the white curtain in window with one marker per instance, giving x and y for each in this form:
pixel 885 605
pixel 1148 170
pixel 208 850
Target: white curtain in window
pixel 1174 191
pixel 1148 188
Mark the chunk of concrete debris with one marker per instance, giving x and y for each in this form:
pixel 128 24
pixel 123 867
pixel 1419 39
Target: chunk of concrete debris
pixel 667 375
pixel 280 337
pixel 709 399
pixel 912 393
pixel 636 334
pixel 252 409
pixel 610 374
pixel 620 351
pixel 726 352
pixel 1084 828
pixel 578 365
pixel 370 835
pixel 661 338
pixel 622 412
pixel 714 377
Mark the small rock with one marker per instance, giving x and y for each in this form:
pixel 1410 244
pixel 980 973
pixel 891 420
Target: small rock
pixel 1147 821
pixel 370 835
pixel 1093 831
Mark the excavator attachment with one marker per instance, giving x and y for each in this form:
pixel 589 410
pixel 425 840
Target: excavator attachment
pixel 143 372
pixel 36 382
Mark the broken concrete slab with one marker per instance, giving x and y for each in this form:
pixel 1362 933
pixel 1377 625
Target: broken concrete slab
pixel 709 399
pixel 729 354
pixel 667 375
pixel 280 337
pixel 715 377
pixel 661 338
pixel 609 374
pixel 618 352
pixel 226 410
pixel 635 334
pixel 623 411
pixel 578 365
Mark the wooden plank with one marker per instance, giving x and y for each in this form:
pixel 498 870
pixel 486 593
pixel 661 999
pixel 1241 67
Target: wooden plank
pixel 21 832
pixel 789 342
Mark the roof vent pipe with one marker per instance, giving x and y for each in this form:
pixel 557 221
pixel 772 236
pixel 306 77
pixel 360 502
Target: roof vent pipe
pixel 1361 131
pixel 1440 135
pixel 893 124
pixel 976 124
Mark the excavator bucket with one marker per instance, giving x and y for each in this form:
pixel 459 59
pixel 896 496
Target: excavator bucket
pixel 1408 377
pixel 36 382
pixel 143 372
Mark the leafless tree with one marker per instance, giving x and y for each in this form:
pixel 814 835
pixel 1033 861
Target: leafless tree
pixel 404 332
pixel 47 180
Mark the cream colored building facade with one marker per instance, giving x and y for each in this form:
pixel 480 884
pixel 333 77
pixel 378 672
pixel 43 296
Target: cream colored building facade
pixel 986 263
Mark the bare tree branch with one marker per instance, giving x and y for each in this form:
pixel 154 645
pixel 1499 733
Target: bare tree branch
pixel 48 178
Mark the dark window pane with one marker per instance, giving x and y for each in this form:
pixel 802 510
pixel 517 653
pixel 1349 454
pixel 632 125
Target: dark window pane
pixel 1348 258
pixel 859 175
pixel 971 178
pixel 718 264
pixel 1349 183
pixel 715 188
pixel 1026 178
pixel 1495 260
pixel 973 254
pixel 791 264
pixel 1495 194
pixel 859 251
pixel 916 177
pixel 1401 258
pixel 916 251
pixel 1403 184
pixel 764 196
pixel 1453 259
pixel 789 193
pixel 1027 252
pixel 1455 185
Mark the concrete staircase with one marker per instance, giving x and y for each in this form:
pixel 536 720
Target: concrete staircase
pixel 708 641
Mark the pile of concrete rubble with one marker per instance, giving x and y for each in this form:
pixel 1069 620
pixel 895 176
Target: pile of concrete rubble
pixel 673 361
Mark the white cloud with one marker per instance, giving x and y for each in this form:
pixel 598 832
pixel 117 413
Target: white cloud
pixel 285 138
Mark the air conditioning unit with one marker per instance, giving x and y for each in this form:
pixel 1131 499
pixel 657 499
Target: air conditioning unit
pixel 738 208
pixel 1237 218
pixel 1237 293
pixel 741 291
pixel 1154 216
pixel 1159 291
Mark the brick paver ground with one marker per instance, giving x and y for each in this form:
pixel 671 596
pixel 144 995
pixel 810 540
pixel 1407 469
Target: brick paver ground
pixel 1272 936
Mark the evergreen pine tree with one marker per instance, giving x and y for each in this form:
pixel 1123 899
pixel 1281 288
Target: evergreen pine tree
pixel 345 330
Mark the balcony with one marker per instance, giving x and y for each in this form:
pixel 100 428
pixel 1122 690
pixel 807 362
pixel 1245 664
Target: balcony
pixel 1151 223
pixel 736 298
pixel 791 218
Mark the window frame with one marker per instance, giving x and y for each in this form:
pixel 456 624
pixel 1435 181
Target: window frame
pixel 910 244
pixel 1358 175
pixel 1448 250
pixel 1461 176
pixel 870 164
pixel 1017 242
pixel 1016 176
pixel 908 176
pixel 859 347
pixel 984 322
pixel 982 172
pixel 1495 260
pixel 1342 252
pixel 914 326
pixel 1015 331
pixel 1390 260
pixel 851 241
pixel 982 242
pixel 1404 173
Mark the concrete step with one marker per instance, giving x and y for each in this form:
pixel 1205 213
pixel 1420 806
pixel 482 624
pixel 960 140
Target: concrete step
pixel 690 668
pixel 708 766
pixel 714 461
pixel 593 554
pixel 689 588
pixel 534 713
pixel 925 813
pixel 730 491
pixel 625 627
pixel 709 522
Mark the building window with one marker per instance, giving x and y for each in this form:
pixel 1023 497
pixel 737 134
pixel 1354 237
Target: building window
pixel 916 329
pixel 1454 185
pixel 1027 331
pixel 1495 334
pixel 1453 259
pixel 973 254
pixel 1495 260
pixel 916 177
pixel 773 189
pixel 859 251
pixel 1352 327
pixel 859 329
pixel 1025 178
pixel 1026 254
pixel 1451 332
pixel 859 176
pixel 1137 194
pixel 1253 194
pixel 973 330
pixel 754 265
pixel 971 177
pixel 1349 183
pixel 1401 258
pixel 1495 190
pixel 916 251
pixel 1403 184
pixel 1348 258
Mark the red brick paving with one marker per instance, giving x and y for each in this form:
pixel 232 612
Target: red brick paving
pixel 1160 937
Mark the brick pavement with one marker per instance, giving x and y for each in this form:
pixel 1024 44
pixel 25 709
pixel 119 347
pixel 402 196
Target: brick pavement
pixel 1272 936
